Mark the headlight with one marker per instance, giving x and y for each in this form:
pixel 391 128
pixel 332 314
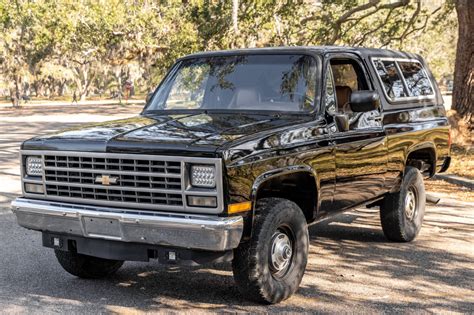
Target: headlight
pixel 203 176
pixel 34 166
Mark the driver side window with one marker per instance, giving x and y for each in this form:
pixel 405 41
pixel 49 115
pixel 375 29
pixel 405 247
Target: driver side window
pixel 349 77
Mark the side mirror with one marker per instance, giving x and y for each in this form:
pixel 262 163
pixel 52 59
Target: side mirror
pixel 342 121
pixel 148 97
pixel 364 101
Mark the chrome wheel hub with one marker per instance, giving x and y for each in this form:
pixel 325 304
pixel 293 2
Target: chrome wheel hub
pixel 410 204
pixel 280 252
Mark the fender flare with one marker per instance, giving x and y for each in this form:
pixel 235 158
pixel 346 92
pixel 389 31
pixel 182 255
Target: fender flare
pixel 264 177
pixel 421 146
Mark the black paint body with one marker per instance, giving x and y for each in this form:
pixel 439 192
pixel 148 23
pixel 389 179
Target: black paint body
pixel 261 152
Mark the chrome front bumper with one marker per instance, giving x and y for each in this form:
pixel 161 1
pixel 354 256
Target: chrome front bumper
pixel 206 232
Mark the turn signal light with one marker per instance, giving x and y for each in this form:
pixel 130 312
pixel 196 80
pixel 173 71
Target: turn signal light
pixel 239 207
pixel 34 188
pixel 202 201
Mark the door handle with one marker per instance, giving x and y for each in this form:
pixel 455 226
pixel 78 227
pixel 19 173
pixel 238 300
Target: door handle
pixel 378 118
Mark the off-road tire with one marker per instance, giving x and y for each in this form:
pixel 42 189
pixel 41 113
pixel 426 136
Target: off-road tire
pixel 88 267
pixel 251 265
pixel 396 224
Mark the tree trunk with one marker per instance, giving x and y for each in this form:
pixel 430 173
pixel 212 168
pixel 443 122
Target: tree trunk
pixel 85 84
pixel 61 85
pixel 235 21
pixel 16 92
pixel 52 89
pixel 39 88
pixel 235 16
pixel 118 77
pixel 82 79
pixel 463 93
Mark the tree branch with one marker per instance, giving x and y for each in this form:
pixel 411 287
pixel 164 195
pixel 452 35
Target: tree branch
pixel 411 23
pixel 375 29
pixel 371 4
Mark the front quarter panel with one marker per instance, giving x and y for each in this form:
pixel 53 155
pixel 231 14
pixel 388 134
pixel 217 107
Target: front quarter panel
pixel 302 148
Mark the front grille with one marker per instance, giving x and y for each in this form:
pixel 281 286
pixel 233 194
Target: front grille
pixel 144 181
pixel 114 195
pixel 112 164
pixel 150 182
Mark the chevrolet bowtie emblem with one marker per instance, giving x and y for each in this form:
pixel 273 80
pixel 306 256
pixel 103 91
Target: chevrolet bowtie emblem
pixel 106 180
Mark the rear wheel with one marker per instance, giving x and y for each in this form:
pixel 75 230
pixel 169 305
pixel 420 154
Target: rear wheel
pixel 401 213
pixel 269 268
pixel 89 267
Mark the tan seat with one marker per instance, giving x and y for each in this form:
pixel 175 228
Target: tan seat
pixel 343 94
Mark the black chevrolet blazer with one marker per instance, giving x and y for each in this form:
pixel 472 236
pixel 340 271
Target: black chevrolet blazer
pixel 234 154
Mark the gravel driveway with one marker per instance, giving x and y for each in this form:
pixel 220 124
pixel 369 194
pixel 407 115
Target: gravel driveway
pixel 351 268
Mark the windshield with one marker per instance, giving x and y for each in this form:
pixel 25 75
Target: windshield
pixel 245 82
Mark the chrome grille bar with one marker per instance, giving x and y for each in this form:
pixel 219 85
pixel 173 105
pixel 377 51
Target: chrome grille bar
pixel 112 164
pixel 144 180
pixel 139 181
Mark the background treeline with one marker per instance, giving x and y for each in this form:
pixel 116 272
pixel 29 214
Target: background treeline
pixel 52 48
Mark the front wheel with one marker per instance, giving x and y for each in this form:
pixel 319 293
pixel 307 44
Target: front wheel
pixel 269 268
pixel 401 213
pixel 88 267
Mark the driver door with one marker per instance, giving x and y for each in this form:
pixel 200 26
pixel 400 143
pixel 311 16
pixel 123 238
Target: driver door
pixel 361 151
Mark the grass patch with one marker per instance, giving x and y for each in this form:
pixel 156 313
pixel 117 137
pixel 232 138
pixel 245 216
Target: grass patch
pixel 462 162
pixel 451 190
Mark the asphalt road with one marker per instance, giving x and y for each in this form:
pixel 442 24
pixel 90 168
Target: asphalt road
pixel 352 267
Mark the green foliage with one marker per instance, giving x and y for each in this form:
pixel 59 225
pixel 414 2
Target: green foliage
pixel 47 47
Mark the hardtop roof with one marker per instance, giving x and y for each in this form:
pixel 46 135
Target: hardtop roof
pixel 362 51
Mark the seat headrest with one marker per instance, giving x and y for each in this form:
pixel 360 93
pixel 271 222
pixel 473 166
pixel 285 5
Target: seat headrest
pixel 246 98
pixel 343 94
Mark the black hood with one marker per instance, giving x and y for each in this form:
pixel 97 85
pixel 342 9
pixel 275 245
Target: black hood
pixel 200 133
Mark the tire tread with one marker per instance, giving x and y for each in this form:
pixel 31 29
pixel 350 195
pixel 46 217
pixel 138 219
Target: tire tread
pixel 245 264
pixel 392 208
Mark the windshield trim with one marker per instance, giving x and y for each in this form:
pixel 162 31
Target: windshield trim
pixel 160 112
pixel 314 106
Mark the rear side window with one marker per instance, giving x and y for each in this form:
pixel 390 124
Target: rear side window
pixel 403 79
pixel 391 80
pixel 417 80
